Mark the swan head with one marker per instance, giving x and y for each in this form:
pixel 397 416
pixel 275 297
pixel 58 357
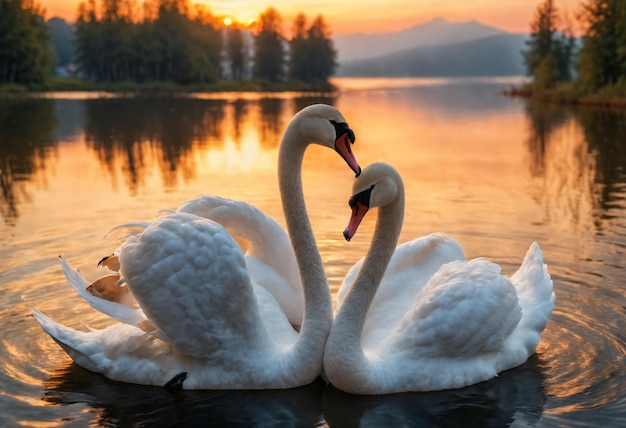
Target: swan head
pixel 378 185
pixel 324 125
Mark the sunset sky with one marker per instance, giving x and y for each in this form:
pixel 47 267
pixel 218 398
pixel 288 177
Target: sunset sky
pixel 368 16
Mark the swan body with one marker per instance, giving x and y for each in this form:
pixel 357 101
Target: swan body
pixel 199 321
pixel 461 322
pixel 413 263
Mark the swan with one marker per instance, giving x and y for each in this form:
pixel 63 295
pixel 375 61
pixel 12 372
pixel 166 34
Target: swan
pixel 200 324
pixel 464 323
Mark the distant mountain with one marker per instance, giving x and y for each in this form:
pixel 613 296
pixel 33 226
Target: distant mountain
pixel 498 55
pixel 433 33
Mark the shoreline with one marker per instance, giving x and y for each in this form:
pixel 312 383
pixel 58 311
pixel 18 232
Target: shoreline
pixel 168 88
pixel 563 96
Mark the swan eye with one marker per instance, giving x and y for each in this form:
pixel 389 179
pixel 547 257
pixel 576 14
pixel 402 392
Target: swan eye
pixel 341 129
pixel 362 198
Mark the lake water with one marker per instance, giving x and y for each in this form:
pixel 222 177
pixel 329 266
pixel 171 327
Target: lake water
pixel 494 172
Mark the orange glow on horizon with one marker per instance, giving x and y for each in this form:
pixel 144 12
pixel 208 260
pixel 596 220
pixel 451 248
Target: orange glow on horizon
pixel 372 17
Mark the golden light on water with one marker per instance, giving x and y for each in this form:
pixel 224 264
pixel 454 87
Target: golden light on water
pixel 490 171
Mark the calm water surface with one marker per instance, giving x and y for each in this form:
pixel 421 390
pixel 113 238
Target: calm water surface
pixel 494 172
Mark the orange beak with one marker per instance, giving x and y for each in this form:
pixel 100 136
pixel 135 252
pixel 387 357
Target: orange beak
pixel 342 146
pixel 358 212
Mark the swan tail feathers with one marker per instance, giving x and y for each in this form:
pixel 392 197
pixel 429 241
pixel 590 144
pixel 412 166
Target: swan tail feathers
pixel 115 310
pixel 535 291
pixel 75 343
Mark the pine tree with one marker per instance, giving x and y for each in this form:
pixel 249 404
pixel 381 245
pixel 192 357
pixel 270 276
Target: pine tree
pixel 322 54
pixel 25 57
pixel 298 55
pixel 168 45
pixel 313 57
pixel 602 59
pixel 548 58
pixel 269 53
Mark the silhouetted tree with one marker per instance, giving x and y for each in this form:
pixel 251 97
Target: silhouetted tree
pixel 269 53
pixel 602 58
pixel 168 45
pixel 312 55
pixel 549 54
pixel 322 55
pixel 236 52
pixel 25 57
pixel 298 54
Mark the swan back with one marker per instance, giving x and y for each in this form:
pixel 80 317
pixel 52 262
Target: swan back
pixel 182 269
pixel 465 310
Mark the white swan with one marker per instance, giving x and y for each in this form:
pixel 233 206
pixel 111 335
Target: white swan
pixel 201 324
pixel 465 325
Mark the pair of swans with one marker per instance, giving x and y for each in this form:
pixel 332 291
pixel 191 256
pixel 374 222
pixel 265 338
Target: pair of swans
pixel 437 321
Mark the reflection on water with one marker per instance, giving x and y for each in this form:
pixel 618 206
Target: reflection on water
pixel 123 405
pixel 581 157
pixel 494 172
pixel 26 137
pixel 515 397
pixel 127 132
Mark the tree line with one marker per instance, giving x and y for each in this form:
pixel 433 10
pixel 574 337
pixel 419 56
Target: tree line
pixel 597 64
pixel 24 54
pixel 165 41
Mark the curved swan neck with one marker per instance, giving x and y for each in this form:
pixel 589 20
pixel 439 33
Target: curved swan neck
pixel 318 304
pixel 382 247
pixel 344 341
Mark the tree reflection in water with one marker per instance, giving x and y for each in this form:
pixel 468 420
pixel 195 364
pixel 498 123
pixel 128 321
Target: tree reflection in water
pixel 128 130
pixel 580 155
pixel 26 138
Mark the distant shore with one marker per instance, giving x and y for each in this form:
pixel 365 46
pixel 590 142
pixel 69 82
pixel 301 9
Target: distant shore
pixel 79 85
pixel 568 94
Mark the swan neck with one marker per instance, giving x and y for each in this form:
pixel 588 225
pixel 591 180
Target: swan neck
pixel 318 305
pixel 344 342
pixel 382 247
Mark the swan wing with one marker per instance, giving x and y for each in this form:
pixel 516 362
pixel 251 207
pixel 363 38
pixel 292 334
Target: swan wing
pixel 189 277
pixel 267 239
pixel 270 257
pixel 466 310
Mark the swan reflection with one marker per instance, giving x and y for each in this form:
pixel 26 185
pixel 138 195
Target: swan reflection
pixel 516 396
pixel 125 405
